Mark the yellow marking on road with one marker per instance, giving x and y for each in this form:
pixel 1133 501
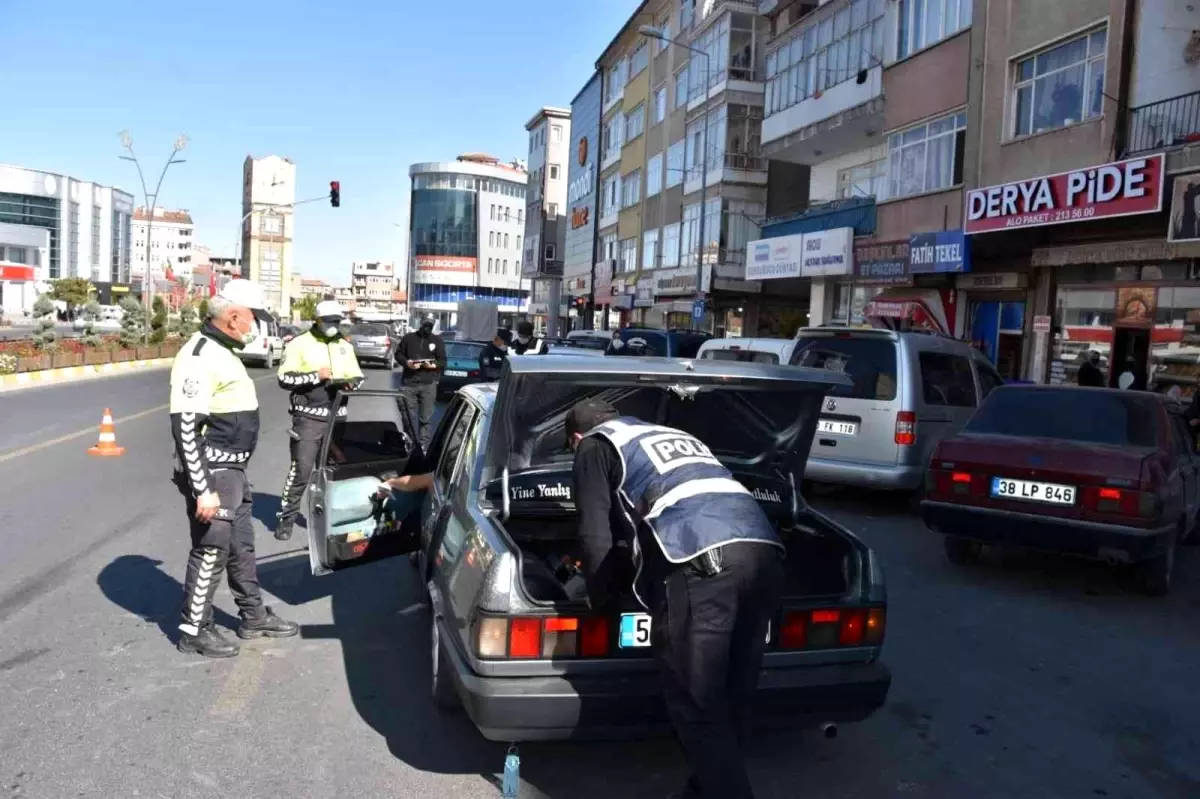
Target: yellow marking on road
pixel 241 686
pixel 17 453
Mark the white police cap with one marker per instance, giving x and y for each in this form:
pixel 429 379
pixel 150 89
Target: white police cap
pixel 245 293
pixel 327 308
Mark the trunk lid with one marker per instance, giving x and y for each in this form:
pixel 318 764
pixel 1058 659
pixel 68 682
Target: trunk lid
pixel 1053 460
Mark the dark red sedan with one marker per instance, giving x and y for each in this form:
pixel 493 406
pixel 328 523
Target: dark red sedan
pixel 1097 473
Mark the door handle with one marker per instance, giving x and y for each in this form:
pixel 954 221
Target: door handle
pixel 318 510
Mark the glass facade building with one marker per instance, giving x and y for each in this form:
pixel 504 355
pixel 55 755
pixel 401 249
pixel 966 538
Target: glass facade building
pixel 445 221
pixel 22 209
pixel 579 254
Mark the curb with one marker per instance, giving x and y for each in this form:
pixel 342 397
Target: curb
pixel 47 377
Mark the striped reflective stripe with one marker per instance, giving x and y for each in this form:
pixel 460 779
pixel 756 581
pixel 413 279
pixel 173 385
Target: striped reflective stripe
pixel 695 488
pixel 621 434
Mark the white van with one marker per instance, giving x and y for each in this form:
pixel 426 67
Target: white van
pixel 267 348
pixel 752 350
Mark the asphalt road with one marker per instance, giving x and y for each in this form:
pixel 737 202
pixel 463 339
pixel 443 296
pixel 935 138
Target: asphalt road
pixel 1036 678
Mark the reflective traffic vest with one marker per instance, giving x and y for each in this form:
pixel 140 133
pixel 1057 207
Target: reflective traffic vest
pixel 303 357
pixel 674 485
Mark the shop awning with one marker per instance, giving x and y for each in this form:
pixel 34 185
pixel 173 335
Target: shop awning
pixel 909 308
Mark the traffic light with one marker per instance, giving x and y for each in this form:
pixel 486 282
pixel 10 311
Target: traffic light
pixel 335 194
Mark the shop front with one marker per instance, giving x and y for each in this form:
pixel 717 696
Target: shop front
pixel 674 295
pixel 878 266
pixel 929 300
pixel 994 306
pixel 817 260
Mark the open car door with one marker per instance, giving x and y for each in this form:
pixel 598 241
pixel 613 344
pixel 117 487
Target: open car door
pixel 369 441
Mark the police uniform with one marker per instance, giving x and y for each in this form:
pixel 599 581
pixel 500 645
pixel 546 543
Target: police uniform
pixel 534 345
pixel 311 406
pixel 491 361
pixel 707 565
pixel 215 423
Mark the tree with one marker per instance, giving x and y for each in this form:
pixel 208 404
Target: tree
pixel 91 313
pixel 187 320
pixel 307 307
pixel 133 322
pixel 159 321
pixel 203 311
pixel 76 292
pixel 45 337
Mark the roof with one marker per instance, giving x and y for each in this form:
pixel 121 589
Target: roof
pixel 621 33
pixel 586 85
pixel 548 112
pixel 160 215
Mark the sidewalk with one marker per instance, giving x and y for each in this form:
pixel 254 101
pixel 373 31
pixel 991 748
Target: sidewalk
pixel 71 374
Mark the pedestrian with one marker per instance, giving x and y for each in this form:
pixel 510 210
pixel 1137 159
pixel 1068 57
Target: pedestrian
pixel 215 424
pixel 709 569
pixel 317 364
pixel 1090 373
pixel 526 343
pixel 616 344
pixel 493 356
pixel 424 356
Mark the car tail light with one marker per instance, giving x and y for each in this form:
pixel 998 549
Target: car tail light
pixel 473 373
pixel 525 638
pixel 944 482
pixel 906 428
pixel 1121 501
pixel 548 637
pixel 832 628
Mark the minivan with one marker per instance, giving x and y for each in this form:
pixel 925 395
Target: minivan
pixel 748 350
pixel 910 390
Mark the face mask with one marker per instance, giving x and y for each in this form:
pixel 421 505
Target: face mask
pixel 426 330
pixel 331 331
pixel 250 335
pixel 523 339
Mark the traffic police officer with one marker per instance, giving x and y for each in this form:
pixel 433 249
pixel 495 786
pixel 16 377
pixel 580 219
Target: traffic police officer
pixel 214 421
pixel 316 365
pixel 707 565
pixel 493 355
pixel 527 343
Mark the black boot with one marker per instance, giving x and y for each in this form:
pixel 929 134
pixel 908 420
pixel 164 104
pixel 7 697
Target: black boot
pixel 207 642
pixel 269 625
pixel 283 530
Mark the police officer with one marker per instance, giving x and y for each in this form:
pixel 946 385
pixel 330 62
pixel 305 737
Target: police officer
pixel 316 365
pixel 708 567
pixel 214 421
pixel 423 353
pixel 527 343
pixel 493 355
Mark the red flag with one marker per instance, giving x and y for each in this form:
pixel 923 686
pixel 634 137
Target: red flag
pixel 212 283
pixel 170 274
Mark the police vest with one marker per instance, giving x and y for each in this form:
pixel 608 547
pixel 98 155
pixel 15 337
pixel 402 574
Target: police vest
pixel 535 347
pixel 210 388
pixel 674 485
pixel 303 358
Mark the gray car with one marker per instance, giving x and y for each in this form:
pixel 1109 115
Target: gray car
pixel 512 640
pixel 374 342
pixel 907 392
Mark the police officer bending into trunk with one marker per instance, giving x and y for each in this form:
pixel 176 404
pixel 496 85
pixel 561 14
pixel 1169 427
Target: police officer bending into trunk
pixel 709 569
pixel 527 343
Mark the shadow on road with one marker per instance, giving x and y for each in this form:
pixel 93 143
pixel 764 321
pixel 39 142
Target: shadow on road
pixel 138 584
pixel 381 620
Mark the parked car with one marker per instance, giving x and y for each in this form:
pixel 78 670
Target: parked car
pixel 374 343
pixel 588 339
pixel 674 343
pixel 748 350
pixel 1098 473
pixel 462 366
pixel 512 638
pixel 908 391
pixel 571 349
pixel 267 348
pixel 289 332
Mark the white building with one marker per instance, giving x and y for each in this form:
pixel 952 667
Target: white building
pixel 545 213
pixel 466 225
pixel 170 237
pixel 268 199
pixel 374 285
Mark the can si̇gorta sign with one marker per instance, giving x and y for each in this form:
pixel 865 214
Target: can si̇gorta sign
pixel 1121 188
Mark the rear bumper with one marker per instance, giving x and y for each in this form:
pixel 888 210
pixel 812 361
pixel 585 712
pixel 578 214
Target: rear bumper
pixel 1047 533
pixel 514 709
pixel 890 477
pixel 449 385
pixel 373 355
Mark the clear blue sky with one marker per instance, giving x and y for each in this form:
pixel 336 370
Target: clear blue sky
pixel 352 91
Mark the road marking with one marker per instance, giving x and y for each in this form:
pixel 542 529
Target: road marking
pixel 17 453
pixel 241 686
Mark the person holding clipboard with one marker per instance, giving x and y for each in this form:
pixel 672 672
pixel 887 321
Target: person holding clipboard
pixel 423 354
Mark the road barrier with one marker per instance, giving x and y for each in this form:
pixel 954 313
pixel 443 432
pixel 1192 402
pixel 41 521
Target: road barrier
pixel 106 446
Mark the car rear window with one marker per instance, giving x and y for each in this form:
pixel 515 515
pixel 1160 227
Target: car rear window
pixel 643 342
pixel 745 356
pixel 869 362
pixel 1091 416
pixel 370 330
pixel 460 349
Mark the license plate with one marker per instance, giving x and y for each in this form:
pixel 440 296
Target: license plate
pixel 837 428
pixel 635 630
pixel 1032 491
pixel 455 373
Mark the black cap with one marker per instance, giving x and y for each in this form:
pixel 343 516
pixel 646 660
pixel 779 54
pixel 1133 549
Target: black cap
pixel 586 414
pixel 505 335
pixel 524 328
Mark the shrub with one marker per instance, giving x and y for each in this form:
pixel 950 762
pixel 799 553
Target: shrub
pixel 133 323
pixel 45 337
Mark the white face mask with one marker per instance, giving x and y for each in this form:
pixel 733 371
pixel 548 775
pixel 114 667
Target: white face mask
pixel 523 339
pixel 331 330
pixel 250 335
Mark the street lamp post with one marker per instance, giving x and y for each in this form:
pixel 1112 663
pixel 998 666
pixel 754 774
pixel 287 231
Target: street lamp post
pixel 651 32
pixel 151 200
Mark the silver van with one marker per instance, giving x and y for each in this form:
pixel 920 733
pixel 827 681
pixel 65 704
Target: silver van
pixel 910 390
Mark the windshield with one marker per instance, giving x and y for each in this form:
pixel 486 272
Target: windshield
pixel 870 362
pixel 461 350
pixel 1085 415
pixel 370 330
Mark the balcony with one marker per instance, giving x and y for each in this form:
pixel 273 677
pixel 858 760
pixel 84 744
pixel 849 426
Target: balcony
pixel 852 212
pixel 1163 125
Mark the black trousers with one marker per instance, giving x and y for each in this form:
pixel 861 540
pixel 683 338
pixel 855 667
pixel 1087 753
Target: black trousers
pixel 305 443
pixel 226 544
pixel 709 633
pixel 422 397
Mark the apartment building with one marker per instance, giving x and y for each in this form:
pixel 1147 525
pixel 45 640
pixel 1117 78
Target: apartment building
pixel 587 282
pixel 682 182
pixel 545 214
pixel 373 286
pixel 268 199
pixel 170 243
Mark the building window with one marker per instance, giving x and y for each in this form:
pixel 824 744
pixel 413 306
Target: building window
pixel 639 60
pixel 493 212
pixel 550 252
pixel 649 249
pixel 631 188
pixel 608 247
pixel 551 210
pixel 635 121
pixel 660 104
pixel 675 161
pixel 518 241
pixel 1060 85
pixel 654 175
pixel 687 13
pixel 628 255
pixel 490 266
pixel 506 241
pixel 664 25
pixel 681 87
pixel 825 53
pixel 670 245
pixel 614 85
pixel 927 157
pixel 689 234
pixel 491 238
pixel 504 267
pixel 556 133
pixel 610 195
pixel 866 180
pixel 554 171
pixel 922 23
pixel 613 136
pixel 696 142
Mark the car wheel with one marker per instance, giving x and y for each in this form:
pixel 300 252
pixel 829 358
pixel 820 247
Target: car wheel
pixel 1154 575
pixel 960 551
pixel 445 697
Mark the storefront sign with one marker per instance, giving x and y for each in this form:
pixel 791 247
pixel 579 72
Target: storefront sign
pixel 10 272
pixel 644 296
pixel 603 287
pixel 991 281
pixel 1123 188
pixel 881 263
pixel 446 270
pixel 940 252
pixel 579 217
pixel 1041 324
pixel 771 259
pixel 681 282
pixel 577 286
pixel 1114 252
pixel 828 252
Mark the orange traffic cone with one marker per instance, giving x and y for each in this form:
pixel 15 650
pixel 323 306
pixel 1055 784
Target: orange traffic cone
pixel 107 445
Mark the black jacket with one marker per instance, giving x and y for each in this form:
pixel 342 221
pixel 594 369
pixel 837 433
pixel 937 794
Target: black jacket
pixel 536 346
pixel 1090 375
pixel 415 347
pixel 491 361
